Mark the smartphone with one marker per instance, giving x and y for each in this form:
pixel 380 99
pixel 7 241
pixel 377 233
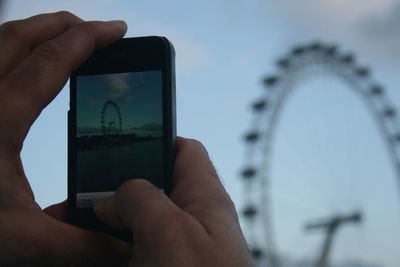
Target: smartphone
pixel 121 124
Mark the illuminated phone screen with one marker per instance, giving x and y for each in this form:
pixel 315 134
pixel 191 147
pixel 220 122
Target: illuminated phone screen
pixel 119 132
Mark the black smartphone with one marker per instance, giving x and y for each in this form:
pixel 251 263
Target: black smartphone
pixel 121 124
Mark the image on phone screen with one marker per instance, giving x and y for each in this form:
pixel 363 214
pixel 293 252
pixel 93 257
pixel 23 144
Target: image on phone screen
pixel 119 132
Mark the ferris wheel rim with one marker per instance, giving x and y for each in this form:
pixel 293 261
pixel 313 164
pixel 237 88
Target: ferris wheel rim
pixel 106 105
pixel 344 67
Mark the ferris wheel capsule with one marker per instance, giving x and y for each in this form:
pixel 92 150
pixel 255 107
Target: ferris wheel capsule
pixel 331 50
pixel 283 63
pixel 362 72
pixel 348 59
pixel 252 136
pixel 376 90
pixel 250 212
pixel 256 253
pixel 259 105
pixel 316 46
pixel 389 112
pixel 249 172
pixel 299 50
pixel 271 81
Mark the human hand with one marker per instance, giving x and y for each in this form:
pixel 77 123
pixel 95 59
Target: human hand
pixel 37 55
pixel 196 227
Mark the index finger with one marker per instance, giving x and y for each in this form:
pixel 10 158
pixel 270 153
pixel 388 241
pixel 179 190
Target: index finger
pixel 19 37
pixel 36 81
pixel 197 187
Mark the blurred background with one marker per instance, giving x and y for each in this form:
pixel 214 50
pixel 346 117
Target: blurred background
pixel 328 158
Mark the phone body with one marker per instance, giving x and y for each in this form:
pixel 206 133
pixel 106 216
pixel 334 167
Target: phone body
pixel 121 124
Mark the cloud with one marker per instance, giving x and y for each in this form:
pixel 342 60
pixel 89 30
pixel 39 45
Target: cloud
pixel 386 24
pixel 89 131
pixel 190 54
pixel 331 12
pixel 118 86
pixel 154 129
pixel 84 9
pixel 149 127
pixel 381 33
pixel 370 27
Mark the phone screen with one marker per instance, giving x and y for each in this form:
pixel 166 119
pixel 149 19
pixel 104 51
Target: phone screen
pixel 119 132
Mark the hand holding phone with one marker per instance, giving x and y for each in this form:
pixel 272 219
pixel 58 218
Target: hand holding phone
pixel 197 226
pixel 29 80
pixel 36 57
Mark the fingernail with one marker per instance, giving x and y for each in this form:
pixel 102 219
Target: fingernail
pixel 118 23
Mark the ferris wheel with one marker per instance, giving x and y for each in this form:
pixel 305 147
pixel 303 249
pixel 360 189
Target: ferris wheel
pixel 300 64
pixel 107 126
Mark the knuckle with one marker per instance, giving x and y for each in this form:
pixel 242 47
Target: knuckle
pixel 90 25
pixel 211 171
pixel 172 232
pixel 228 206
pixel 85 34
pixel 135 184
pixel 220 202
pixel 65 14
pixel 134 188
pixel 49 51
pixel 176 222
pixel 11 29
pixel 87 28
pixel 196 143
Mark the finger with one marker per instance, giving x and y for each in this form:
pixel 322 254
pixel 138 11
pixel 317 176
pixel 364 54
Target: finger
pixel 199 191
pixel 35 82
pixel 140 207
pixel 18 38
pixel 21 174
pixel 49 242
pixel 58 211
pixel 197 187
pixel 106 211
pixel 80 247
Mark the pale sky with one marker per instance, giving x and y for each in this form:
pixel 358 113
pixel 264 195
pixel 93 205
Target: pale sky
pixel 327 146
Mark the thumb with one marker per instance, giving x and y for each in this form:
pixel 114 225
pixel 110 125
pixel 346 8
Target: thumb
pixel 137 204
